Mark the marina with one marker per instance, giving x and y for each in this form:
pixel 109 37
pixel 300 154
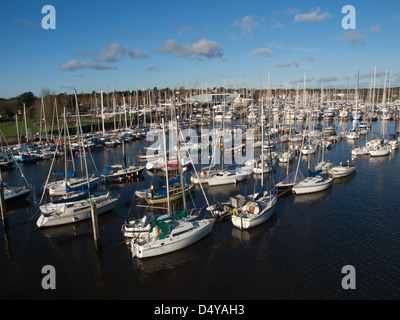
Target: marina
pixel 297 252
pixel 196 158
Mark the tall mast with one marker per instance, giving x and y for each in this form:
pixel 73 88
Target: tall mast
pixel 102 112
pixel 166 166
pixel 26 126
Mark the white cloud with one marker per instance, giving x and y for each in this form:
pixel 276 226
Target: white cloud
pixel 313 15
pixel 75 65
pixel 247 24
pixel 111 53
pixel 199 50
pixel 262 52
pixel 135 54
pixel 309 58
pixel 152 69
pixel 353 36
pixel 293 64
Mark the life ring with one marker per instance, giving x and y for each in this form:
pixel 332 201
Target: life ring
pixel 139 240
pixel 235 212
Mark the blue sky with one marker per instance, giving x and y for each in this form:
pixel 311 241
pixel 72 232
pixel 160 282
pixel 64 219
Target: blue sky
pixel 133 45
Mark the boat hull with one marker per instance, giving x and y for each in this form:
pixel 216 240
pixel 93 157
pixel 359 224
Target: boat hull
pixel 311 186
pixel 167 245
pixel 241 222
pixel 55 219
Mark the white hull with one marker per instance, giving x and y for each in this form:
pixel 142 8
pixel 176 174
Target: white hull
pixel 71 216
pixel 379 151
pixel 308 150
pixel 312 184
pixel 342 171
pixel 360 151
pixel 59 189
pixel 226 177
pixel 246 220
pixel 198 230
pixel 324 166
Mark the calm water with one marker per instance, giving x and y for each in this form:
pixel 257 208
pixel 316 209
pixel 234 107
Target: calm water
pixel 298 254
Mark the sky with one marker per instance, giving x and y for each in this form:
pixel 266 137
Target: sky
pixel 130 45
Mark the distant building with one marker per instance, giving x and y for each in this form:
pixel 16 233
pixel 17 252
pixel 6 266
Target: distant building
pixel 215 97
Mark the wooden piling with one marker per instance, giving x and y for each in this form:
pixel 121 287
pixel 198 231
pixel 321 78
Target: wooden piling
pixel 123 152
pixel 95 226
pixel 4 218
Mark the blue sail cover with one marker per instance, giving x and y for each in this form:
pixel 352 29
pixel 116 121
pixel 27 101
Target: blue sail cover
pixel 313 173
pixel 291 176
pixel 62 174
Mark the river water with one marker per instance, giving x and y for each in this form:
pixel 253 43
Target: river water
pixel 298 254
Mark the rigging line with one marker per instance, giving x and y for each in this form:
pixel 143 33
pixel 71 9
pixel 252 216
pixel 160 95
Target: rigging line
pixel 22 173
pixel 194 167
pixel 51 168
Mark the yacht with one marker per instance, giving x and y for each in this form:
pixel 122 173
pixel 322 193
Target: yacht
pixel 55 214
pixel 342 170
pixel 312 184
pixel 254 212
pixel 169 235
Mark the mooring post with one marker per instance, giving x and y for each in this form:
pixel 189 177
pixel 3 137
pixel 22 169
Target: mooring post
pixel 4 218
pixel 123 152
pixel 95 225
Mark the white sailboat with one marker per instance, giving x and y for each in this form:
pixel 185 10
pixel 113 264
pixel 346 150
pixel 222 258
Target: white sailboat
pixel 342 170
pixel 312 184
pixel 66 212
pixel 260 208
pixel 55 214
pixel 379 150
pixel 170 234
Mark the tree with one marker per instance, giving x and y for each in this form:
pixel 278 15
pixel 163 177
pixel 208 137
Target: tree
pixel 27 97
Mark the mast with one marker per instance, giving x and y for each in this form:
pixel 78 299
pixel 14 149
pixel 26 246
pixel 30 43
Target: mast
pixel 166 166
pixel 262 144
pixel 16 123
pixel 102 112
pixel 26 126
pixel 179 162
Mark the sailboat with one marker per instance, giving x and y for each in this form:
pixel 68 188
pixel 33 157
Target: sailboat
pixel 66 212
pixel 170 234
pixel 295 176
pixel 342 170
pixel 118 172
pixel 262 205
pixel 314 182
